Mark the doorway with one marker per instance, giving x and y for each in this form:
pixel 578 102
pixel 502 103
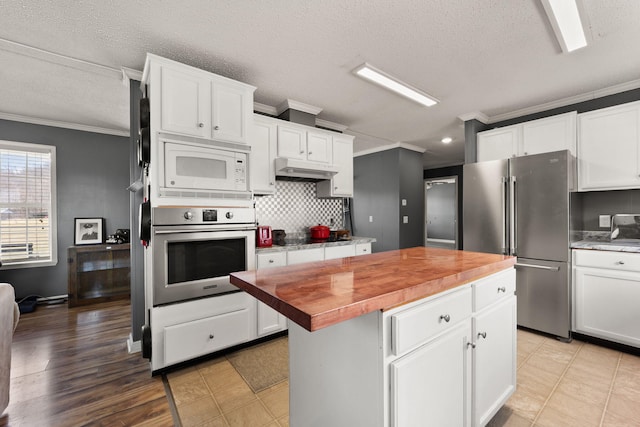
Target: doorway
pixel 441 212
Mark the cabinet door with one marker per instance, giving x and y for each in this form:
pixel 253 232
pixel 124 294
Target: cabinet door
pixel 430 385
pixel 305 255
pixel 500 143
pixel 269 320
pixel 606 304
pixel 263 153
pixel 319 147
pixel 609 148
pixel 494 359
pixel 231 111
pixel 341 185
pixel 335 252
pixel 185 103
pixel 292 142
pixel 363 248
pixel 550 134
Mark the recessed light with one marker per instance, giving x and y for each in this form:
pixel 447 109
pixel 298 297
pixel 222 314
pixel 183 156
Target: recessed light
pixel 447 140
pixel 383 79
pixel 564 16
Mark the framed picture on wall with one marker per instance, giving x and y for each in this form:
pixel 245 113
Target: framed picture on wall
pixel 88 231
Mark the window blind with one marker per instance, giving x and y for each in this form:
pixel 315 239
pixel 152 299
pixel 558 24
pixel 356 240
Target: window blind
pixel 27 222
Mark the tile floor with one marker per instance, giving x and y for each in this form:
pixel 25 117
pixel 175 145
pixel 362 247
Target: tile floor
pixel 559 384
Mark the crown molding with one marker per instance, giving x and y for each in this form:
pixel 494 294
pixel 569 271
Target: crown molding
pixel 299 106
pixel 131 74
pixel 390 147
pixel 477 115
pixel 61 124
pixel 265 109
pixel 331 125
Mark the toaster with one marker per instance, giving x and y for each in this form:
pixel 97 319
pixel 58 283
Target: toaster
pixel 264 238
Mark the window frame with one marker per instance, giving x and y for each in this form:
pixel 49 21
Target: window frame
pixel 53 213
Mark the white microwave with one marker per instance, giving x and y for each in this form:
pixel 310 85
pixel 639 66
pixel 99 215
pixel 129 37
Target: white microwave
pixel 203 167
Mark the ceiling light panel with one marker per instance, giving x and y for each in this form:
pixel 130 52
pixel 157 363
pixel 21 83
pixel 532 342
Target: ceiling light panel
pixel 565 18
pixel 383 79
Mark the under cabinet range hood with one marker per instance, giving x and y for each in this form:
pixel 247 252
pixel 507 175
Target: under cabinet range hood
pixel 304 169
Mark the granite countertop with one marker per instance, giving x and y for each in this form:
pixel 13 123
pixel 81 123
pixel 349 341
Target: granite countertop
pixel 291 246
pixel 320 294
pixel 601 241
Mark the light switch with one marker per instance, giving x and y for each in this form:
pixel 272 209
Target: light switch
pixel 404 202
pixel 605 221
pixel 405 219
pixel 370 218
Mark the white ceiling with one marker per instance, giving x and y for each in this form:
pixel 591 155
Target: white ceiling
pixel 61 60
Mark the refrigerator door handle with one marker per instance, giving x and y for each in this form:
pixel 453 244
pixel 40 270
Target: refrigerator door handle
pixel 513 211
pixel 541 267
pixel 505 183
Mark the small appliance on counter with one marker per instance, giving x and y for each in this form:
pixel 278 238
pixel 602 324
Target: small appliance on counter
pixel 278 237
pixel 625 228
pixel 264 238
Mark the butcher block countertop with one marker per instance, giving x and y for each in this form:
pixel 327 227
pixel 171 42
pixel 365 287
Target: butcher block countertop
pixel 316 295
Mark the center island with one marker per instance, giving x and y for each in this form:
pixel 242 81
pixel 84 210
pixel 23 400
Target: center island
pixel 412 337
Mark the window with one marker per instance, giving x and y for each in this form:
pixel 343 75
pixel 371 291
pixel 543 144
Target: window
pixel 28 235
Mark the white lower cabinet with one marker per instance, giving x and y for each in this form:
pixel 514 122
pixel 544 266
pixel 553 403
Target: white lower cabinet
pixel 333 252
pixel 430 385
pixel 606 295
pixel 433 362
pixel 269 320
pixel 305 255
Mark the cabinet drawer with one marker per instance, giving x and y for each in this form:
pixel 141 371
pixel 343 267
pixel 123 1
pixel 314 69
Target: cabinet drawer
pixel 363 248
pixel 305 255
pixel 492 289
pixel 622 261
pixel 193 339
pixel 333 252
pixel 414 326
pixel 271 259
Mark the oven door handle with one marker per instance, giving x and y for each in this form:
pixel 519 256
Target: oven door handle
pixel 200 230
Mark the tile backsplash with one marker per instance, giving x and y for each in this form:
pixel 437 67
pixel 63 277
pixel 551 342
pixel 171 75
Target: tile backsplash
pixel 294 208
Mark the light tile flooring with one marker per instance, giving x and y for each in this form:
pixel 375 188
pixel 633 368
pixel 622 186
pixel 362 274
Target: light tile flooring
pixel 214 394
pixel 559 384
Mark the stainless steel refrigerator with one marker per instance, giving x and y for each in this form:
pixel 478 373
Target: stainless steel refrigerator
pixel 522 207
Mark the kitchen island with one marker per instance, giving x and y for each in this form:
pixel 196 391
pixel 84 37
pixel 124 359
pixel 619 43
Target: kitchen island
pixel 393 338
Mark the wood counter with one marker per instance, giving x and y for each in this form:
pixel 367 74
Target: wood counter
pixel 320 294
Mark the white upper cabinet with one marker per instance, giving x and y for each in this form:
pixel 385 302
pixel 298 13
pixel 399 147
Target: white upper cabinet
pixel 197 103
pixel 296 142
pixel 263 152
pixel 185 102
pixel 609 148
pixel 341 185
pixel 500 143
pixel 533 137
pixel 550 134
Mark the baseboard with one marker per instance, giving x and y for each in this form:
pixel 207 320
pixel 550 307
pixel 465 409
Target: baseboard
pixel 133 346
pixel 51 299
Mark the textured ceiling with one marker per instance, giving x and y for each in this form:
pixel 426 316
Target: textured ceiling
pixel 61 59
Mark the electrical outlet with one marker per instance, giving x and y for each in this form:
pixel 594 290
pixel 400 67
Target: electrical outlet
pixel 605 221
pixel 405 219
pixel 404 202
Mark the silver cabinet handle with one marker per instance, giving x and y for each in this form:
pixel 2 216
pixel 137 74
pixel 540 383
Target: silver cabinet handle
pixel 620 262
pixel 541 267
pixel 270 261
pixel 482 335
pixel 301 151
pixel 445 317
pixel 471 344
pixel 310 152
pixel 200 125
pixel 216 128
pixel 210 336
pixel 502 289
pixel 271 183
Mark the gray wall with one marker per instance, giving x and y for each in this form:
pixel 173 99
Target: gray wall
pixel 381 180
pixel 441 211
pixel 92 173
pixel 597 203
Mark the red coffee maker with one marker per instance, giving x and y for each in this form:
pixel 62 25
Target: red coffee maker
pixel 263 236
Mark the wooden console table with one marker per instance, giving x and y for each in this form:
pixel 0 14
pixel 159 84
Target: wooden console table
pixel 98 273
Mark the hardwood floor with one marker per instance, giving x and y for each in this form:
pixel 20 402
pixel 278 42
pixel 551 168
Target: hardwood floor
pixel 70 367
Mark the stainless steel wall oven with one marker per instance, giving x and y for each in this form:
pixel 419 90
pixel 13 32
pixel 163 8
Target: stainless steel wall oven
pixel 193 250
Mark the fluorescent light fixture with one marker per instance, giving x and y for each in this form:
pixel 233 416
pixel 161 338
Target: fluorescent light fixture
pixel 564 16
pixel 447 140
pixel 370 73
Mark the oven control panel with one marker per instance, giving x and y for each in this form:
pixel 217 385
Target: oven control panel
pixel 175 215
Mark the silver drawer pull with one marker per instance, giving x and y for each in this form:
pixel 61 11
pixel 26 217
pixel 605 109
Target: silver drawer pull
pixel 210 336
pixel 445 317
pixel 541 267
pixel 270 261
pixel 502 289
pixel 471 344
pixel 620 262
pixel 482 335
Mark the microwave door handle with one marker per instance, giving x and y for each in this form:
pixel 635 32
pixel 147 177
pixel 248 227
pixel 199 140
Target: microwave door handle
pixel 176 230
